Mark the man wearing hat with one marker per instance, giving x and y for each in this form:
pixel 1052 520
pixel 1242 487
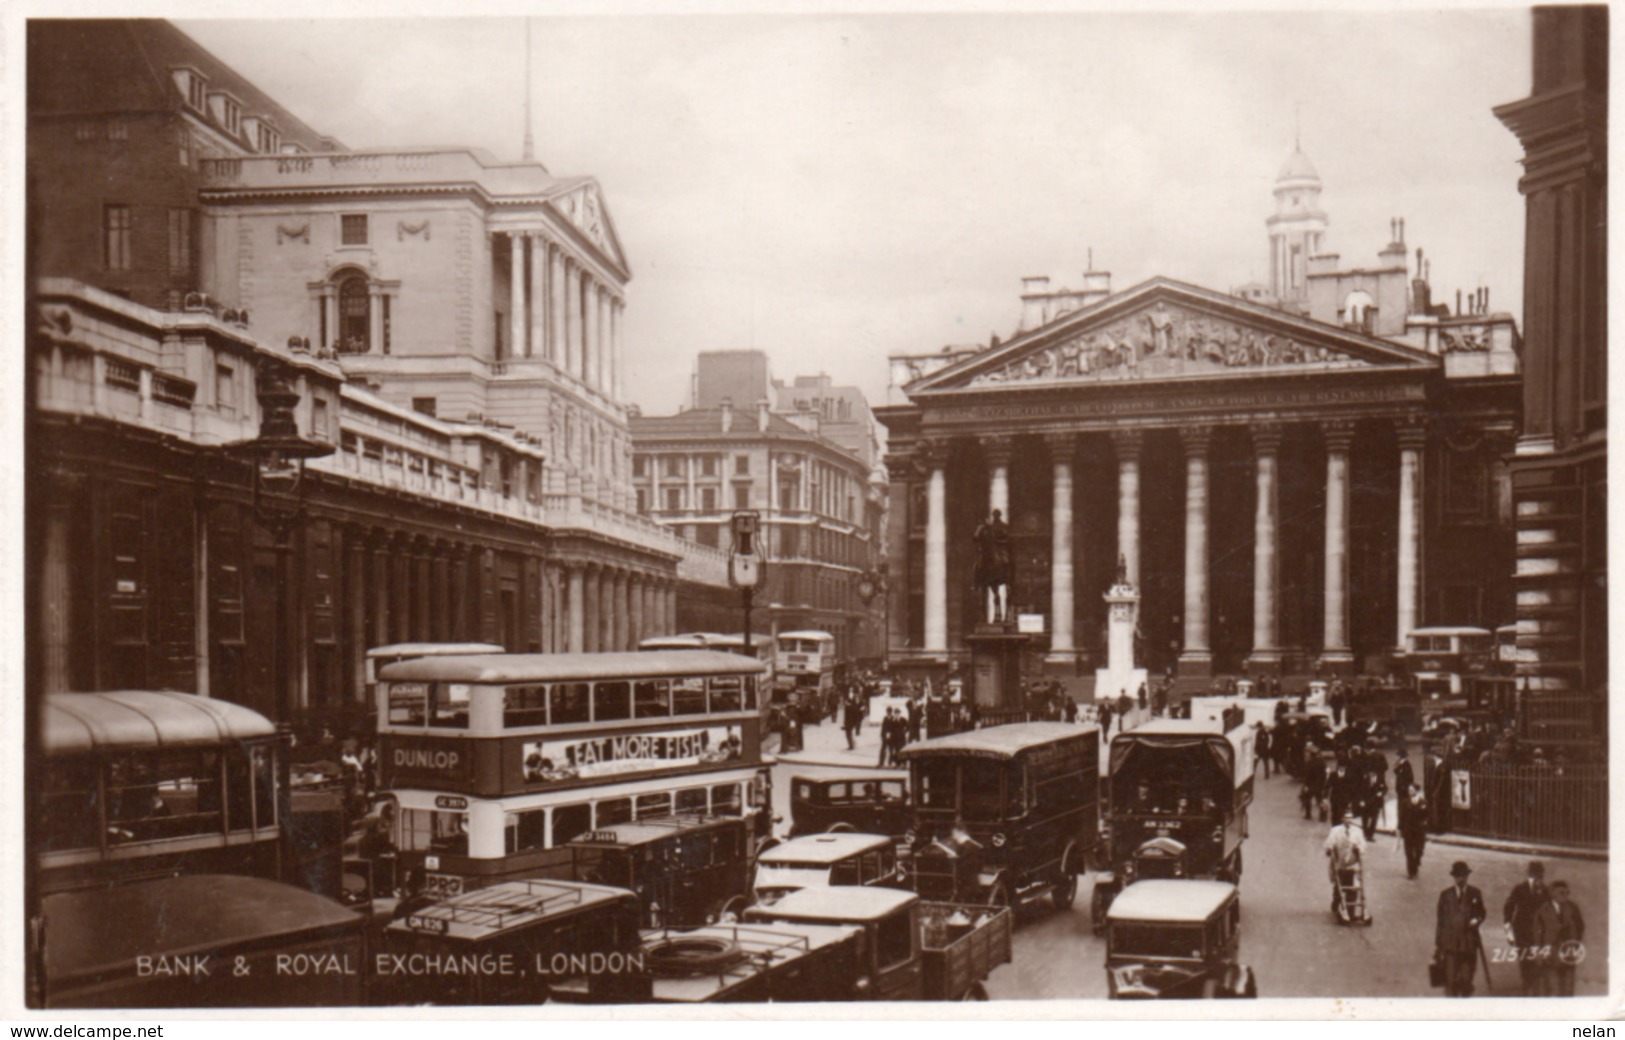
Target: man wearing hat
pixel 1525 900
pixel 1455 939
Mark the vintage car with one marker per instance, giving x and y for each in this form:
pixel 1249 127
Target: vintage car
pixel 1004 814
pixel 1168 939
pixel 824 861
pixel 867 804
pixel 911 950
pixel 685 870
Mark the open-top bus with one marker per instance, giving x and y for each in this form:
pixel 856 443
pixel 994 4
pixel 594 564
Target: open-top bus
pixel 497 761
pixel 145 783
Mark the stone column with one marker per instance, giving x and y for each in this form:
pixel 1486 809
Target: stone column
pixel 936 551
pixel 634 594
pixel 589 611
pixel 996 451
pixel 516 294
pixel 536 344
pixel 576 598
pixel 606 357
pixel 1061 449
pixel 1266 627
pixel 1196 658
pixel 671 606
pixel 622 614
pixel 556 342
pixel 591 370
pixel 572 320
pixel 330 315
pixel 617 347
pixel 375 320
pixel 1335 652
pixel 1412 438
pixel 606 610
pixel 1127 443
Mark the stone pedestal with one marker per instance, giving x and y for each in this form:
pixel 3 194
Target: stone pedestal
pixel 1120 675
pixel 995 667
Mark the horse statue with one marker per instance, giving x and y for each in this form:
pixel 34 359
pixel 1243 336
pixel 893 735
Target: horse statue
pixel 993 567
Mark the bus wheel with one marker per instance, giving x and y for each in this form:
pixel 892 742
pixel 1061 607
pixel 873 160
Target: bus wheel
pixel 976 992
pixel 1065 892
pixel 841 827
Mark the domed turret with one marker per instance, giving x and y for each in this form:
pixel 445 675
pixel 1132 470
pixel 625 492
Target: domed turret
pixel 1296 228
pixel 1297 168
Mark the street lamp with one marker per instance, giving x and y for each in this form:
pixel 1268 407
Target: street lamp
pixel 278 455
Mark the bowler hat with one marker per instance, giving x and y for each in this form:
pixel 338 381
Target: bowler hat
pixel 1537 868
pixel 1460 869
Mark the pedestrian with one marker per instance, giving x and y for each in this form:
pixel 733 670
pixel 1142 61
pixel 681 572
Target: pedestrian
pixel 1124 706
pixel 1404 776
pixel 1456 943
pixel 1335 702
pixel 1105 712
pixel 886 725
pixel 916 715
pixel 1413 829
pixel 1559 935
pixel 1140 697
pixel 1342 789
pixel 1069 709
pixel 1518 914
pixel 1372 799
pixel 1345 852
pixel 853 718
pixel 1313 791
pixel 1261 748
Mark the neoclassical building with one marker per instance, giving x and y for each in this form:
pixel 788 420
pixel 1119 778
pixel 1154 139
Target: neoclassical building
pixel 1292 484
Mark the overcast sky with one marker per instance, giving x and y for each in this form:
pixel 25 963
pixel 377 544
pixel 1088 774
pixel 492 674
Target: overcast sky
pixel 834 189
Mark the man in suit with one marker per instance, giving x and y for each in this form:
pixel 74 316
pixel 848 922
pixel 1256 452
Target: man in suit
pixel 1404 776
pixel 1526 897
pixel 1455 936
pixel 1558 934
pixel 1413 828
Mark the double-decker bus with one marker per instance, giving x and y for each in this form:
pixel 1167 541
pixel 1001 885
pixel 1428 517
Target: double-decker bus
pixel 761 647
pixel 806 662
pixel 1441 660
pixel 495 762
pixel 147 783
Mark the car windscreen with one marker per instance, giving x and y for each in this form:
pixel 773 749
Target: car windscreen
pixel 1135 939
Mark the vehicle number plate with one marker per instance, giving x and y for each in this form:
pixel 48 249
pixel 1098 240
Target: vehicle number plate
pixel 419 923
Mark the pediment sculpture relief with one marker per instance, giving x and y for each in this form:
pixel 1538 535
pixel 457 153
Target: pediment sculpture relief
pixel 1161 342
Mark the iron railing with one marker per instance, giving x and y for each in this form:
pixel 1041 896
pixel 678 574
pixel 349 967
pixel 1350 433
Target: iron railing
pixel 1567 806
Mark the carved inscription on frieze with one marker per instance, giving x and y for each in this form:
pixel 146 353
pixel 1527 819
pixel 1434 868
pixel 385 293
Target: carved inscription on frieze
pixel 1160 404
pixel 1163 342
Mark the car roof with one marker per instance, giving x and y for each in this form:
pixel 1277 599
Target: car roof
pixel 433 649
pixel 156 719
pixel 860 778
pixel 518 668
pixel 653 828
pixel 998 741
pixel 823 848
pixel 1184 727
pixel 840 903
pixel 1173 901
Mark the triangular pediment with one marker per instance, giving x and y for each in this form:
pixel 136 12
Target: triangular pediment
pixel 583 206
pixel 1166 330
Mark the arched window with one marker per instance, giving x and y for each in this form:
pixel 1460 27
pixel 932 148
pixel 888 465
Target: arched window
pixel 1357 310
pixel 354 315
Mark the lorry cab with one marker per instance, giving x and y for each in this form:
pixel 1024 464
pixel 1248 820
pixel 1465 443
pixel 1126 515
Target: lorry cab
pixel 893 969
pixel 824 861
pixel 1176 939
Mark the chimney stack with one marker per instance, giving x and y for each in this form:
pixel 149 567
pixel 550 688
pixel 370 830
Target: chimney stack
pixel 761 415
pixel 727 414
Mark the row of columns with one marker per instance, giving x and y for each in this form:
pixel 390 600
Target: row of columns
pixel 1266 577
pixel 610 608
pixel 563 313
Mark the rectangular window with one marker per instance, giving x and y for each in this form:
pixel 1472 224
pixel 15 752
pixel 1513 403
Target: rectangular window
pixel 726 801
pixel 569 703
pixel 742 465
pixel 708 500
pixel 708 535
pixel 741 496
pixel 692 800
pixel 643 502
pixel 225 389
pixel 195 91
pixel 611 702
pixel 432 830
pixel 180 241
pixel 318 419
pixel 570 821
pixel 674 466
pixel 651 699
pixel 674 500
pixel 637 465
pixel 524 706
pixel 656 804
pixel 527 831
pixel 424 406
pixel 353 229
pixel 448 705
pixel 116 237
pixel 708 465
pixel 612 811
pixel 688 697
pixel 727 692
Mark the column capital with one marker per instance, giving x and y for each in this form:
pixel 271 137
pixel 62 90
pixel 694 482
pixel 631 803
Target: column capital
pixel 930 455
pixel 1412 432
pixel 997 448
pixel 1195 439
pixel 901 467
pixel 1266 438
pixel 1338 434
pixel 1127 444
pixel 1061 446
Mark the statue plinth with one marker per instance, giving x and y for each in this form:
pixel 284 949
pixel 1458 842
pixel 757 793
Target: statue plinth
pixel 1120 676
pixel 995 666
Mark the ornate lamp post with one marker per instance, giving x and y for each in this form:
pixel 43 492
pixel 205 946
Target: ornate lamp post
pixel 278 455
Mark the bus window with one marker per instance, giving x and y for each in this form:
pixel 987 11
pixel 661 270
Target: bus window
pixel 725 693
pixel 524 705
pixel 265 786
pixel 70 800
pixel 750 692
pixel 936 784
pixel 611 702
pixel 894 942
pixel 688 697
pixel 527 831
pixel 612 811
pixel 726 801
pixel 691 800
pixel 651 699
pixel 569 821
pixel 656 804
pixel 434 830
pixel 449 705
pixel 568 703
pixel 408 703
